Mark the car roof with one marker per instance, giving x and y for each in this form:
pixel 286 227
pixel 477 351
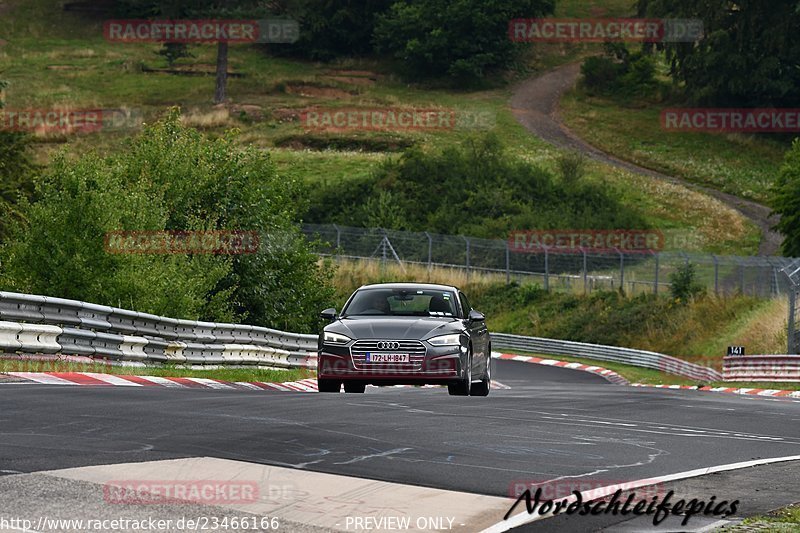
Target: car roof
pixel 429 286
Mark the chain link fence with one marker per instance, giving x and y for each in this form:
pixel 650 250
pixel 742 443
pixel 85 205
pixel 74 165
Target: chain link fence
pixel 792 273
pixel 585 270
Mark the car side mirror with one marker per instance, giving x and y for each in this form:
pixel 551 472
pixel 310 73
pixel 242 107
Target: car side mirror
pixel 476 316
pixel 329 314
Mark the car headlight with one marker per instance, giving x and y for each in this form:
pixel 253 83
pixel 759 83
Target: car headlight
pixel 335 338
pixel 446 340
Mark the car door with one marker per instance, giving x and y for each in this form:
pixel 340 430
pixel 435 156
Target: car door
pixel 478 333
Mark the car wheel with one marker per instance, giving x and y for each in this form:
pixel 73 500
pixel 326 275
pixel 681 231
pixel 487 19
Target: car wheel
pixel 462 387
pixel 329 385
pixel 485 385
pixel 355 386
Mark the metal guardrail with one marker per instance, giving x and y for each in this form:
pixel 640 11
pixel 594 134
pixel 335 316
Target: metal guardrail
pixel 43 324
pixel 46 325
pixel 656 361
pixel 761 368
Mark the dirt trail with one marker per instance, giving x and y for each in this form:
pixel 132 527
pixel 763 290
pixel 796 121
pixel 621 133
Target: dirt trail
pixel 535 105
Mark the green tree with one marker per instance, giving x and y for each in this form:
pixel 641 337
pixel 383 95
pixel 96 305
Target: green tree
pixel 747 57
pixel 786 201
pixel 171 178
pixel 464 39
pixel 333 28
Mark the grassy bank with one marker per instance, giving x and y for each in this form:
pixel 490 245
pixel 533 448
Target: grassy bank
pixel 744 165
pixel 57 59
pixel 268 375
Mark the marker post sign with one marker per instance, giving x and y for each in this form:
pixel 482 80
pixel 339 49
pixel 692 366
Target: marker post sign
pixel 735 351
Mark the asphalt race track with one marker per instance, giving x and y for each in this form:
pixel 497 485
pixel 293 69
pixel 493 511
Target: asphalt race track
pixel 553 424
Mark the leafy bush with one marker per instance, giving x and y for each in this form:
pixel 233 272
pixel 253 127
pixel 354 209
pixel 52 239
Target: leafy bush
pixel 171 178
pixel 475 189
pixel 684 284
pixel 600 73
pixel 572 167
pixel 620 72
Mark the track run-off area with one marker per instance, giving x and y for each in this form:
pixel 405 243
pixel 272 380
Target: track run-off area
pixel 393 458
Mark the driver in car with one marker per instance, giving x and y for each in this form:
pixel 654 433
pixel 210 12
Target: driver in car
pixel 378 305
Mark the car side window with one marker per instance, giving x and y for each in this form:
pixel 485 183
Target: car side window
pixel 465 307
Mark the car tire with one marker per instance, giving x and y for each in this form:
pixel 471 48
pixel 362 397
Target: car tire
pixel 485 385
pixel 462 387
pixel 355 387
pixel 329 385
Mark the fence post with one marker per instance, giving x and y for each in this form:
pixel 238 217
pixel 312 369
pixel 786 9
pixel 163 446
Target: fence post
pixel 716 274
pixel 655 285
pixel 621 271
pixel 430 250
pixel 792 349
pixel 466 240
pixel 546 269
pixel 338 240
pixel 508 264
pixel 585 272
pixel 741 278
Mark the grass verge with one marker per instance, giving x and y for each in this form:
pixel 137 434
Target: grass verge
pixel 744 165
pixel 784 520
pixel 267 375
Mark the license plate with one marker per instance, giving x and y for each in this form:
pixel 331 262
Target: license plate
pixel 387 358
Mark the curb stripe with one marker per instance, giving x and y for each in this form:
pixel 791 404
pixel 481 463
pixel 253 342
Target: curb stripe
pixel 726 390
pixel 609 375
pixel 111 379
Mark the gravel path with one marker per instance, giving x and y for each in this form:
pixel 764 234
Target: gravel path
pixel 535 104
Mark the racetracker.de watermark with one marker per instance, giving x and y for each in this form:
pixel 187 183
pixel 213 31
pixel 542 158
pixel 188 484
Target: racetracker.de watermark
pixel 64 121
pixel 395 119
pixel 220 242
pixel 598 30
pixel 722 120
pixel 201 31
pixel 579 241
pixel 157 492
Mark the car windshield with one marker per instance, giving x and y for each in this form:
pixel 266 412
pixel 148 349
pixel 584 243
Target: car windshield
pixel 401 302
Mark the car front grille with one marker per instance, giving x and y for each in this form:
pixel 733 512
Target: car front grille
pixel 415 349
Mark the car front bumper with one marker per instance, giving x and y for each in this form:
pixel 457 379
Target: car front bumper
pixel 441 365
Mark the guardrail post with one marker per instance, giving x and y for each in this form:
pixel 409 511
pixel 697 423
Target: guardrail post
pixel 430 251
pixel 655 284
pixel 716 274
pixel 508 264
pixel 585 272
pixel 546 269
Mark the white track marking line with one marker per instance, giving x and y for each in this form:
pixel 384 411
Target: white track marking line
pixel 602 492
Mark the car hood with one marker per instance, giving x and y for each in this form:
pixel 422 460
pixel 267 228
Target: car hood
pixel 394 327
